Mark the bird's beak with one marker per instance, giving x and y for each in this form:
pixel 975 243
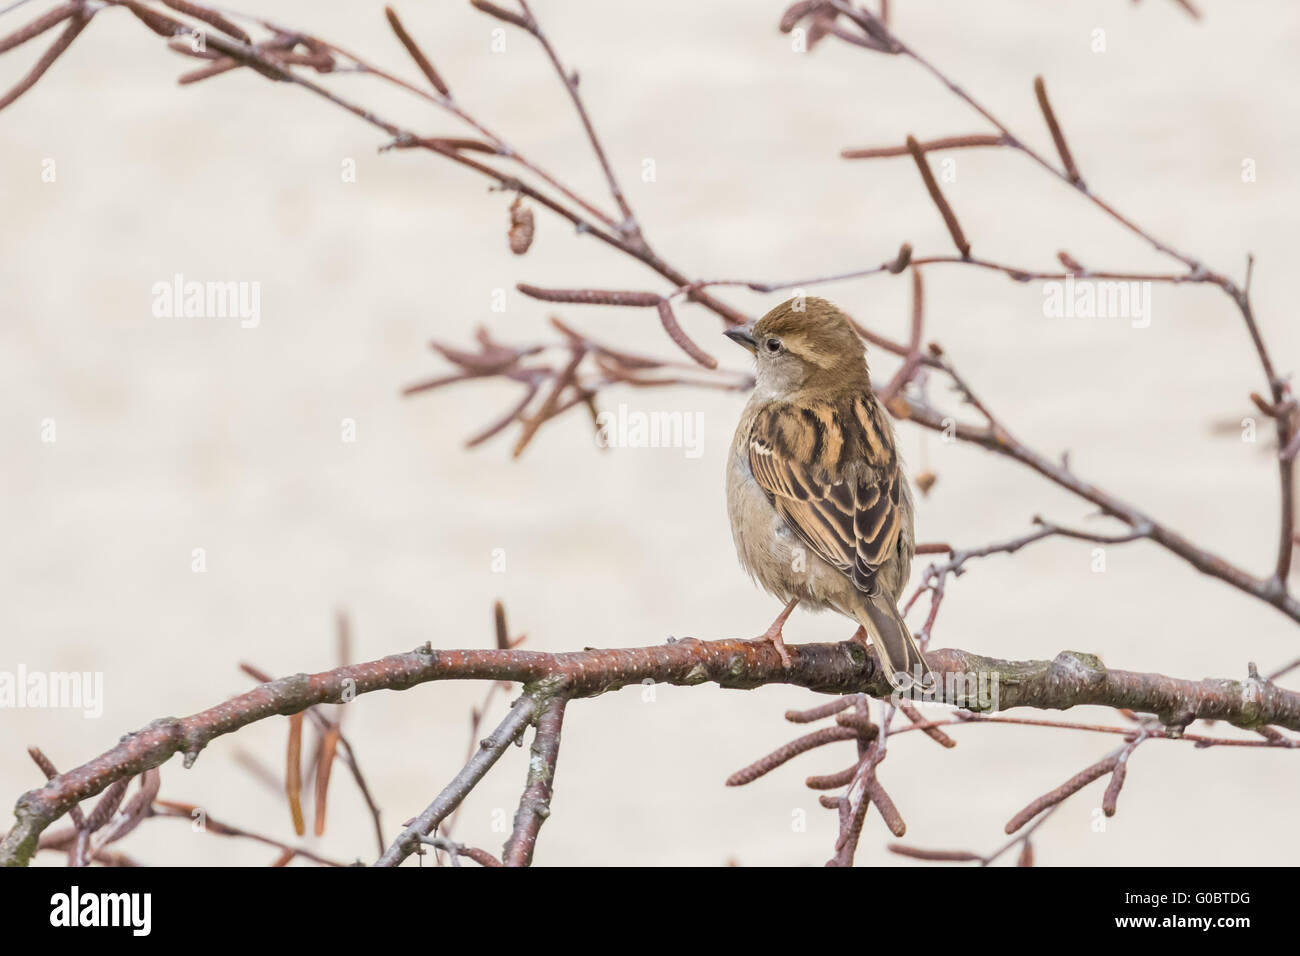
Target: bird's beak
pixel 743 335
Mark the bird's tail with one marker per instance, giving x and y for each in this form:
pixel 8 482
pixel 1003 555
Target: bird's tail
pixel 898 652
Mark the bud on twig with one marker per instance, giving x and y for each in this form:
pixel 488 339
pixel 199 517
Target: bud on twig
pixel 521 227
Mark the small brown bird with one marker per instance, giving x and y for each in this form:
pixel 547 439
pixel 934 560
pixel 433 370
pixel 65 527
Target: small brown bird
pixel 819 505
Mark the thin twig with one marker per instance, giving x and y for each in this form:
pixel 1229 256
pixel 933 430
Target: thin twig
pixel 535 804
pixel 490 750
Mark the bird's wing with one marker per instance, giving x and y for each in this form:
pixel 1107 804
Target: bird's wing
pixel 832 473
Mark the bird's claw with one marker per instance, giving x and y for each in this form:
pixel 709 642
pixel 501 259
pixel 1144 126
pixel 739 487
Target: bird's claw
pixel 774 638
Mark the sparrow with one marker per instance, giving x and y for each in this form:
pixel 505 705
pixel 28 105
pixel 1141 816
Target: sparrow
pixel 820 509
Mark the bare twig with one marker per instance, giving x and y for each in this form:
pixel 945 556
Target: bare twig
pixel 535 804
pixel 490 750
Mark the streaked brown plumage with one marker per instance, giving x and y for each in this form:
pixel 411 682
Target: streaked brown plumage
pixel 819 505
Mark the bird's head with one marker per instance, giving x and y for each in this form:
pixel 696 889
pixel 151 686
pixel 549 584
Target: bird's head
pixel 804 343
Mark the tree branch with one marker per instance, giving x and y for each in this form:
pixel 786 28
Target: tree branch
pixel 535 804
pixel 1070 680
pixel 489 752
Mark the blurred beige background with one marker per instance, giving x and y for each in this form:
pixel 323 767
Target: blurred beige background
pixel 175 434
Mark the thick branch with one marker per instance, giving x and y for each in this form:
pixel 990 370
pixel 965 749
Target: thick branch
pixel 1070 680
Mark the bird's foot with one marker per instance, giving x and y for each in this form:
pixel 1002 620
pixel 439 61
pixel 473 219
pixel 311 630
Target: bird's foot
pixel 773 634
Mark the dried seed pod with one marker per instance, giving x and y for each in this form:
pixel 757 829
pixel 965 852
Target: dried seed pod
pixel 940 201
pixel 1054 127
pixel 1071 786
pixel 416 53
pixel 492 10
pixel 924 481
pixel 888 812
pixel 1070 262
pixel 902 260
pixel 943 856
pixel 646 300
pixel 521 227
pixel 796 12
pixel 820 27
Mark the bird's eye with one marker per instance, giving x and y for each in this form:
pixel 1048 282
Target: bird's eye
pixel 773 345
